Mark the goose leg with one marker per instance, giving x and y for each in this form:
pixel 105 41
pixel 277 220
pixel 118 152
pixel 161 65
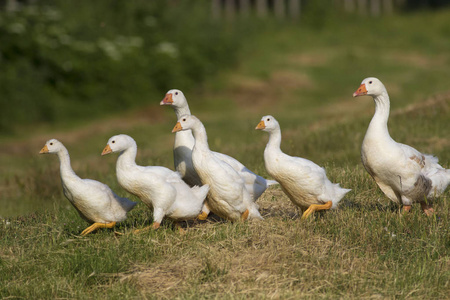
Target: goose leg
pixel 315 207
pixel 154 226
pixel 427 209
pixel 96 226
pixel 158 215
pixel 244 215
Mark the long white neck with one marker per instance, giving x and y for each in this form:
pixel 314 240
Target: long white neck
pixel 65 167
pixel 183 138
pixel 127 158
pixel 182 110
pixel 201 139
pixel 378 124
pixel 274 142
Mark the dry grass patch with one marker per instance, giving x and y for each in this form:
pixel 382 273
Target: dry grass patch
pixel 286 79
pixel 440 101
pixel 163 280
pixel 341 111
pixel 32 144
pixel 311 59
pixel 416 59
pixel 259 94
pixel 281 256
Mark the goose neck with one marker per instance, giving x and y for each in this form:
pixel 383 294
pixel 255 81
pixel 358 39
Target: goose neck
pixel 65 166
pixel 201 139
pixel 381 116
pixel 182 110
pixel 127 158
pixel 274 140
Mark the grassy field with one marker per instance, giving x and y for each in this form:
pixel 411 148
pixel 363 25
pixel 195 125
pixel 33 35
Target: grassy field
pixel 303 76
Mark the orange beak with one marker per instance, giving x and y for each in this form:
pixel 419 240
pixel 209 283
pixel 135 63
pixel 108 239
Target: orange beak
pixel 107 150
pixel 177 127
pixel 167 100
pixel 361 91
pixel 261 125
pixel 44 150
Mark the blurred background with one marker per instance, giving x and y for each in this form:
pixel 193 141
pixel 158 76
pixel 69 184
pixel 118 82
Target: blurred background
pixel 64 61
pixel 69 64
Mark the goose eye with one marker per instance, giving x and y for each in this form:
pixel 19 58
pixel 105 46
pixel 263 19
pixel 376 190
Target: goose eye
pixel 176 93
pixel 113 142
pixel 51 144
pixel 184 120
pixel 268 119
pixel 370 82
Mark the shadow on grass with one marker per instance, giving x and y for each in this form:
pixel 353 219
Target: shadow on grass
pixel 351 205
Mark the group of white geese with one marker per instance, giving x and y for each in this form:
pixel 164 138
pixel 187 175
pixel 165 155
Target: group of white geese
pixel 207 181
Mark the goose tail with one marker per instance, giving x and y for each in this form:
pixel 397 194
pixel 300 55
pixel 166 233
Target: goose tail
pixel 200 191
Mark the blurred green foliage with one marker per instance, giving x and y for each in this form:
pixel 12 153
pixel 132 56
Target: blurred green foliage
pixel 76 60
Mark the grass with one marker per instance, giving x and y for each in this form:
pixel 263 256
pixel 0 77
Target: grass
pixel 305 78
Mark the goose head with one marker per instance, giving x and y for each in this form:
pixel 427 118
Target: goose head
pixel 370 86
pixel 118 143
pixel 268 123
pixel 185 122
pixel 174 98
pixel 52 146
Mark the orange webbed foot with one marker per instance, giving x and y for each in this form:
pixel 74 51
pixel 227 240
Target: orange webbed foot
pixel 427 209
pixel 203 216
pixel 316 207
pixel 96 226
pixel 154 226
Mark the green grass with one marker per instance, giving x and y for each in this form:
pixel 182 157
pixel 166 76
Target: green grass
pixel 305 78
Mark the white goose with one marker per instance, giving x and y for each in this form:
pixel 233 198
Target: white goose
pixel 403 174
pixel 305 183
pixel 95 202
pixel 228 196
pixel 184 143
pixel 161 189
